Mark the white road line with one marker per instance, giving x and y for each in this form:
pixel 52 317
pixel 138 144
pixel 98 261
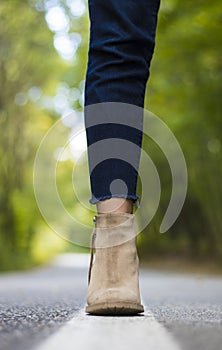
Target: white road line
pixel 86 332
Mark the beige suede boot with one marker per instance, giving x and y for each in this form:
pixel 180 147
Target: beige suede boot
pixel 114 276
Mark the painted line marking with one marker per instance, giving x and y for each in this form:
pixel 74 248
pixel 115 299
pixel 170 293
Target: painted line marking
pixel 85 332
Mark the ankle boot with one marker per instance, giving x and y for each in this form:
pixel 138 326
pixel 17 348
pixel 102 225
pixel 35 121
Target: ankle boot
pixel 114 275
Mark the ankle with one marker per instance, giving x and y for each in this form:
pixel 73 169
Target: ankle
pixel 115 205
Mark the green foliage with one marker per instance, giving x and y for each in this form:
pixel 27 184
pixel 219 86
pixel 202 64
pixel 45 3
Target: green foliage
pixel 184 90
pixel 28 60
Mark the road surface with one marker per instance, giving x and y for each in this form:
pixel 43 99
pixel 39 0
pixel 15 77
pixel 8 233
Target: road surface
pixel 44 310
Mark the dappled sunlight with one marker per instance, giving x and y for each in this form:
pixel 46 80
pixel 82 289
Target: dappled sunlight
pixel 44 46
pixel 57 19
pixel 67 44
pixel 77 143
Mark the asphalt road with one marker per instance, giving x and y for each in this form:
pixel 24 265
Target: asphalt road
pixel 43 309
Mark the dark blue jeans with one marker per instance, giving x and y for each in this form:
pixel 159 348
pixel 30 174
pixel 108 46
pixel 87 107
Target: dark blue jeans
pixel 122 40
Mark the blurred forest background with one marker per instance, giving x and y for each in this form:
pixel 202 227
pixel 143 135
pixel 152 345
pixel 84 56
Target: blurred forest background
pixel 43 56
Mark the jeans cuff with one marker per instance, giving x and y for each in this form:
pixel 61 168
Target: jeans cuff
pixel 134 197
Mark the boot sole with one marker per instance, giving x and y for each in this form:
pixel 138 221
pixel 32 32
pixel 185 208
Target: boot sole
pixel 114 308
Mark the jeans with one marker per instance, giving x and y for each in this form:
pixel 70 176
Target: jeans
pixel 122 40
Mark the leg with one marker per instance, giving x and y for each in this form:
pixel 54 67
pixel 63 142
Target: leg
pixel 117 205
pixel 122 37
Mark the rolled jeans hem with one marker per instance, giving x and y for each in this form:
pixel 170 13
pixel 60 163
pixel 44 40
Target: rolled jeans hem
pixel 94 200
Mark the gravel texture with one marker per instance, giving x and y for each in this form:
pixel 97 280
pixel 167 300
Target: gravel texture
pixel 35 304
